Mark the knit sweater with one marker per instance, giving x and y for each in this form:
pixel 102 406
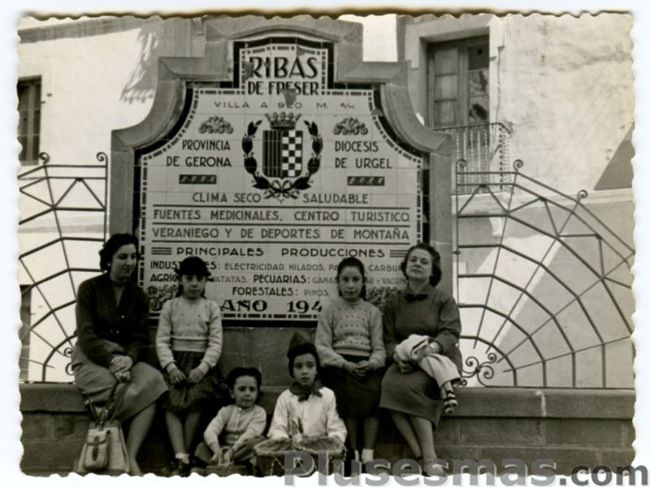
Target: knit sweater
pixel 189 326
pixel 235 425
pixel 350 329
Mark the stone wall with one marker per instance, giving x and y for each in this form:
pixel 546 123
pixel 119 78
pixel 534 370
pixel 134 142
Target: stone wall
pixel 585 427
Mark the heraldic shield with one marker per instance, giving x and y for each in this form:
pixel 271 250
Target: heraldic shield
pixel 283 156
pixel 282 147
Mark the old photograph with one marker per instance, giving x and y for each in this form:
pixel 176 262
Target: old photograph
pixel 266 245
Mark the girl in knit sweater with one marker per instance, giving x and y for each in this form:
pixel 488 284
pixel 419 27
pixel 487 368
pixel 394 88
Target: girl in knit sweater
pixel 349 340
pixel 188 344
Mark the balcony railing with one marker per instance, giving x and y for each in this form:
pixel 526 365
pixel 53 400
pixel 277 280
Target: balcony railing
pixel 484 148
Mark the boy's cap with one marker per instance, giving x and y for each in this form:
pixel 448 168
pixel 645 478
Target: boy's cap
pixel 300 344
pixel 193 266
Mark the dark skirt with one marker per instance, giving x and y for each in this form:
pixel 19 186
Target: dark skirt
pixel 354 397
pixel 413 393
pixel 207 395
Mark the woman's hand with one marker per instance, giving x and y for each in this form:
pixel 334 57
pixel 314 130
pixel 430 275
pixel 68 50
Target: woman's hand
pixel 196 375
pixel 120 364
pixel 404 367
pixel 176 375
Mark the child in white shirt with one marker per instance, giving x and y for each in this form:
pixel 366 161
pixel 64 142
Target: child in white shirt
pixel 306 408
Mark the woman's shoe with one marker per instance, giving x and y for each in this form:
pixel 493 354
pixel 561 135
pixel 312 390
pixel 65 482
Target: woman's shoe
pixel 433 468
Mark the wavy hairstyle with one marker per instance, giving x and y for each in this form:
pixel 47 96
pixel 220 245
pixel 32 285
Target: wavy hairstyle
pixel 436 272
pixel 112 245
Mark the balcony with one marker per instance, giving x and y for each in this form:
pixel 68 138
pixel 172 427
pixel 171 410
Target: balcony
pixel 484 151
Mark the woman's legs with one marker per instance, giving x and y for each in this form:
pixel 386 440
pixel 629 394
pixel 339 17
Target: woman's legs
pixel 405 428
pixel 137 431
pixel 424 431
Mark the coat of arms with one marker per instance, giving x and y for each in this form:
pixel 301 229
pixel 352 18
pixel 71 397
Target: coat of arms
pixel 283 172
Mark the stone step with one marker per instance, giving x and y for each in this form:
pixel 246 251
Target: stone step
pixel 573 427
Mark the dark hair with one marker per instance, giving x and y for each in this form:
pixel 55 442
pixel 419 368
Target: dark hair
pixel 112 245
pixel 303 349
pixel 436 273
pixel 352 262
pixel 191 266
pixel 238 372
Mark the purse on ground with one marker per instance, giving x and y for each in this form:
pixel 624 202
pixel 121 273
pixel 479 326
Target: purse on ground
pixel 94 455
pixel 104 450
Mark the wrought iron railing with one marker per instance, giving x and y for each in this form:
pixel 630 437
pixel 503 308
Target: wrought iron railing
pixel 539 307
pixel 543 284
pixel 486 149
pixel 62 226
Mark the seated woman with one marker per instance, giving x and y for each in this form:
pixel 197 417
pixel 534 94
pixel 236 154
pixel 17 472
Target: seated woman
pixel 412 395
pixel 112 314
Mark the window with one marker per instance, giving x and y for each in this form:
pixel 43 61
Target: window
pixel 458 83
pixel 29 124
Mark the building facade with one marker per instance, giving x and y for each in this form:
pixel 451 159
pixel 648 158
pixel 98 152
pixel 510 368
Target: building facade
pixel 537 112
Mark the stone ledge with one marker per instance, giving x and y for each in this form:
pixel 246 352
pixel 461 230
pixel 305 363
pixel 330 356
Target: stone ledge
pixel 546 403
pixel 50 397
pixel 493 424
pixel 565 457
pixel 474 402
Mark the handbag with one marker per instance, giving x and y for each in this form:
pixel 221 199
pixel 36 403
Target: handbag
pixel 104 450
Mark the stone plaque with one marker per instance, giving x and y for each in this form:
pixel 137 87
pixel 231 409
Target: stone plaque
pixel 272 179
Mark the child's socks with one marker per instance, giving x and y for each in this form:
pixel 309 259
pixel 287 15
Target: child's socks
pixel 183 457
pixel 367 455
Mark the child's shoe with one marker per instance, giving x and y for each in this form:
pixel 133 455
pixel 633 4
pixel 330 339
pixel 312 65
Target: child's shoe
pixel 449 402
pixel 180 468
pixel 198 470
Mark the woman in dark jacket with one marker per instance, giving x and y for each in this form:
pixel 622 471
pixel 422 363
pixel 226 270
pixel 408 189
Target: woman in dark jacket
pixel 413 397
pixel 112 314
